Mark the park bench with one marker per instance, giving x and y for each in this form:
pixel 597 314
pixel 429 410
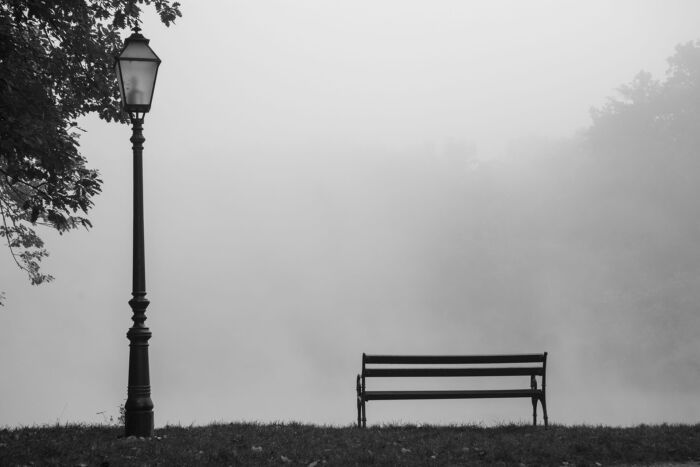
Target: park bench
pixel 426 366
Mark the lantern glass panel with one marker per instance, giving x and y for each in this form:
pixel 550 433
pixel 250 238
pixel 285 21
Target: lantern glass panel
pixel 136 78
pixel 118 72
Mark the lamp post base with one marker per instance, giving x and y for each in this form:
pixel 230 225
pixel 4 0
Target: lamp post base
pixel 138 410
pixel 139 423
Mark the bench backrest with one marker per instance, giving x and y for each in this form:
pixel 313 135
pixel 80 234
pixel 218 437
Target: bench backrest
pixel 426 371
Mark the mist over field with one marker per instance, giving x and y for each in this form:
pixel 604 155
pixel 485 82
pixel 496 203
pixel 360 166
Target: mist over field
pixel 323 180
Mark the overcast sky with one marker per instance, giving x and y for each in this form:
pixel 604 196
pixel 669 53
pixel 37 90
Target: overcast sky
pixel 314 189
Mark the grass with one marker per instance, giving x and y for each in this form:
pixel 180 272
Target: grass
pixel 316 446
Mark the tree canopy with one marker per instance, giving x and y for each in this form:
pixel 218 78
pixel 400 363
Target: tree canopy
pixel 659 116
pixel 56 61
pixel 647 137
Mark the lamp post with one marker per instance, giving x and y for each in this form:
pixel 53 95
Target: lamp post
pixel 136 68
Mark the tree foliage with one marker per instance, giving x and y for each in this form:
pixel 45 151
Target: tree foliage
pixel 56 61
pixel 660 117
pixel 647 139
pixel 642 177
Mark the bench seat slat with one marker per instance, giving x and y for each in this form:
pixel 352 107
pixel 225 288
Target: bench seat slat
pixel 427 372
pixel 471 394
pixel 453 359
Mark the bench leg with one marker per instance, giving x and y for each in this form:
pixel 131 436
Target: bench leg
pixel 359 403
pixel 361 419
pixel 544 411
pixel 533 386
pixel 364 417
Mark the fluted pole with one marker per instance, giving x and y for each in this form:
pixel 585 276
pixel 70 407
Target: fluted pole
pixel 139 406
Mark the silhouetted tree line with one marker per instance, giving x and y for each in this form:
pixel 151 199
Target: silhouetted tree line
pixel 650 132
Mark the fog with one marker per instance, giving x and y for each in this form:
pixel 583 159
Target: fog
pixel 324 179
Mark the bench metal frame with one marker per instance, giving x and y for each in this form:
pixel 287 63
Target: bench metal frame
pixel 419 366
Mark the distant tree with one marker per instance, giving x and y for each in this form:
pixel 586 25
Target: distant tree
pixel 645 142
pixel 56 61
pixel 658 116
pixel 642 174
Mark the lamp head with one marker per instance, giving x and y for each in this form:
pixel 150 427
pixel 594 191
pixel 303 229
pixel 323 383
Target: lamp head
pixel 136 68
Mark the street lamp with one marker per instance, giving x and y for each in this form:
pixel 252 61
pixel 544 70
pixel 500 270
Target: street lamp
pixel 136 68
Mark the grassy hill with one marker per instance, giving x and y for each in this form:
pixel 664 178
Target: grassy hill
pixel 314 446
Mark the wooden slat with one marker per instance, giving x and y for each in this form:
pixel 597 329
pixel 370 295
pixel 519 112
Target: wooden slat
pixel 453 359
pixel 427 372
pixel 473 394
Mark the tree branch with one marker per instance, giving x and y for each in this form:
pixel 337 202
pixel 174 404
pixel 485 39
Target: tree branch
pixel 7 234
